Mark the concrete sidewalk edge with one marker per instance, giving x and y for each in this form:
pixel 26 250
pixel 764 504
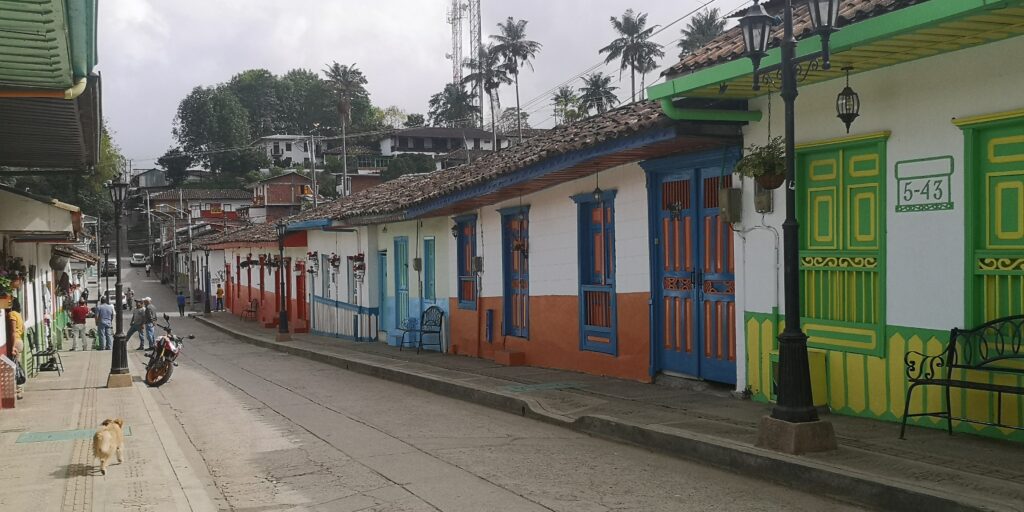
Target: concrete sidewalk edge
pixel 797 472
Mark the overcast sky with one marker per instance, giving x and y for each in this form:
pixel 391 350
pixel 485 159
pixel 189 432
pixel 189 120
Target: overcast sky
pixel 153 52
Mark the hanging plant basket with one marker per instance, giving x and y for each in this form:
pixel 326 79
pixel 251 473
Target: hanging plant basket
pixel 766 164
pixel 770 181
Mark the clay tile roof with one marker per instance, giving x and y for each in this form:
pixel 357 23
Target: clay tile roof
pixel 729 46
pixel 396 196
pixel 201 194
pixel 265 232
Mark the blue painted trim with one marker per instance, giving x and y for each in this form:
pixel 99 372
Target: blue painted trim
pixel 525 208
pixel 584 251
pixel 461 219
pixel 652 264
pixel 308 224
pixel 429 269
pixel 461 273
pixel 546 167
pixel 588 197
pixel 699 160
pixel 362 310
pixel 506 272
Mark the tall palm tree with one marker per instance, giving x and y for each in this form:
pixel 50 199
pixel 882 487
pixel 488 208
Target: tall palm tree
pixel 597 93
pixel 516 50
pixel 347 83
pixel 488 70
pixel 632 47
pixel 645 67
pixel 566 102
pixel 702 28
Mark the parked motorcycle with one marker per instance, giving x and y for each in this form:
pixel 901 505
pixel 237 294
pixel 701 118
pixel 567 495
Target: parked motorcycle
pixel 161 357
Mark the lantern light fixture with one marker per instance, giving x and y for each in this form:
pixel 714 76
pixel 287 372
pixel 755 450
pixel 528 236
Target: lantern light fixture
pixel 756 26
pixel 848 102
pixel 824 16
pixel 455 230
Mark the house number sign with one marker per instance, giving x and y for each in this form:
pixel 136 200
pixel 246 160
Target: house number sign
pixel 923 185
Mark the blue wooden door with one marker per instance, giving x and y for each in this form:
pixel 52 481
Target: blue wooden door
pixel 516 273
pixel 401 280
pixel 694 277
pixel 382 283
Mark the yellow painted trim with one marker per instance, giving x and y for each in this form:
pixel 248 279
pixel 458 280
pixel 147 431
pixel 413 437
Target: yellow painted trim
pixel 831 219
pixel 992 144
pixel 876 136
pixel 853 218
pixel 963 122
pixel 1000 189
pixel 831 162
pixel 808 326
pixel 864 158
pixel 871 196
pixel 989 191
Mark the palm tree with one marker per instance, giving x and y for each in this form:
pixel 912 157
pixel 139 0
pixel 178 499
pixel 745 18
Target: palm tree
pixel 632 47
pixel 517 51
pixel 566 102
pixel 452 107
pixel 643 68
pixel 488 70
pixel 597 93
pixel 346 82
pixel 702 28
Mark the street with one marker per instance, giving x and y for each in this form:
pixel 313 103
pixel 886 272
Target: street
pixel 270 431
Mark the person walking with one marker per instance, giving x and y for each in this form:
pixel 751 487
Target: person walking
pixel 148 269
pixel 104 323
pixel 138 325
pixel 181 303
pixel 78 315
pixel 150 321
pixel 220 298
pixel 18 332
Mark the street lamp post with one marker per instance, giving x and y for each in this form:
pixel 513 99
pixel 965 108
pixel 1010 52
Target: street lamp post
pixel 206 307
pixel 282 269
pixel 119 376
pixel 794 425
pixel 106 271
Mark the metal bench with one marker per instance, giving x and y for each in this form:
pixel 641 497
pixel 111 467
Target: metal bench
pixel 995 347
pixel 43 360
pixel 431 324
pixel 250 312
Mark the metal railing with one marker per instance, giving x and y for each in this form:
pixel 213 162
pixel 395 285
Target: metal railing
pixel 344 320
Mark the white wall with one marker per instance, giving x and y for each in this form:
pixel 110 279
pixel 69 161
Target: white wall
pixel 916 102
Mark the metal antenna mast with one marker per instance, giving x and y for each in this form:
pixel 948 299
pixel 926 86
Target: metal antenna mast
pixel 454 17
pixel 475 43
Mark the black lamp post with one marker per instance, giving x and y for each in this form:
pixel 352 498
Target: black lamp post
pixel 282 269
pixel 106 271
pixel 119 376
pixel 795 405
pixel 206 307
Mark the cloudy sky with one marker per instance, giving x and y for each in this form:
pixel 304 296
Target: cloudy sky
pixel 153 52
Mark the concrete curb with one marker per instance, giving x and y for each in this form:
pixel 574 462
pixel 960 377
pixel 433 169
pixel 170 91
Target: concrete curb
pixel 809 474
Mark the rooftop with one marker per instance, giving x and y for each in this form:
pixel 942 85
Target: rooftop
pixel 200 194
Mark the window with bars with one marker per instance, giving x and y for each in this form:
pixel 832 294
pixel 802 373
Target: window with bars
pixel 596 261
pixel 429 274
pixel 515 271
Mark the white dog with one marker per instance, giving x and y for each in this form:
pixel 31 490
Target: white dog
pixel 109 439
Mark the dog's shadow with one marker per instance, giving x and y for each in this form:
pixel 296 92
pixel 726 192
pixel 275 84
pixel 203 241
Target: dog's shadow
pixel 76 470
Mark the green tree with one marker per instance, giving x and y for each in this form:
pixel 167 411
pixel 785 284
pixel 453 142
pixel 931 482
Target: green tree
pixel 389 117
pixel 176 162
pixel 632 48
pixel 408 164
pixel 307 102
pixel 516 50
pixel 597 93
pixel 348 85
pixel 452 107
pixel 212 127
pixel 566 104
pixel 488 70
pixel 262 95
pixel 702 28
pixel 414 121
pixel 509 122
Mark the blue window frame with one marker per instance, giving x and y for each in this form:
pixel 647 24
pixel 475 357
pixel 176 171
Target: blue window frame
pixel 596 258
pixel 465 254
pixel 401 280
pixel 429 274
pixel 515 270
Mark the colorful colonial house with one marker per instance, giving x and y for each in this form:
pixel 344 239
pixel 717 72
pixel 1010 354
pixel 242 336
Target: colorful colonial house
pixel 912 218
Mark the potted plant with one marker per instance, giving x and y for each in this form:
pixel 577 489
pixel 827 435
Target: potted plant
pixel 766 164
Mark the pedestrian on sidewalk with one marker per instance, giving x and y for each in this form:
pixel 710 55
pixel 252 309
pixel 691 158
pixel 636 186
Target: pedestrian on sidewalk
pixel 137 325
pixel 129 295
pixel 148 269
pixel 150 321
pixel 220 298
pixel 181 303
pixel 78 315
pixel 17 326
pixel 104 322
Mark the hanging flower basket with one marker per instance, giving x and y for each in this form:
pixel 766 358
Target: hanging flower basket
pixel 766 164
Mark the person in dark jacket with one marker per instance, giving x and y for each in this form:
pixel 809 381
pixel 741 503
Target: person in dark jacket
pixel 181 303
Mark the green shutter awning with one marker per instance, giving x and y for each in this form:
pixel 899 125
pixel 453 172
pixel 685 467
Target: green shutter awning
pixel 46 44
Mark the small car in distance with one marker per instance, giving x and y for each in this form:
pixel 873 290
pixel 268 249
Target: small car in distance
pixel 109 268
pixel 138 260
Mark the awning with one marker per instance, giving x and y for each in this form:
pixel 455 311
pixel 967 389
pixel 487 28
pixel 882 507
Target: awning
pixel 76 254
pixel 922 30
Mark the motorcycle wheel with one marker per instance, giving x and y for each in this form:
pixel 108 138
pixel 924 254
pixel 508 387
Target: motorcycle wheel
pixel 158 374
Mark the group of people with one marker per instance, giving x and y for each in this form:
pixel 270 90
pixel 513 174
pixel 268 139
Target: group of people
pixel 143 322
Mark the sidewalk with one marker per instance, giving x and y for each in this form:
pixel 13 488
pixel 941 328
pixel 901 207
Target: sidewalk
pixel 872 466
pixel 58 471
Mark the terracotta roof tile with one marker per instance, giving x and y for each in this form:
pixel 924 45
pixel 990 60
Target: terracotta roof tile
pixel 729 46
pixel 201 193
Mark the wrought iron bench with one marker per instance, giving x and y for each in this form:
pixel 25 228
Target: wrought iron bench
pixel 995 347
pixel 431 324
pixel 252 310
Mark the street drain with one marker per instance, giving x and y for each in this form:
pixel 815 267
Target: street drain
pixel 61 435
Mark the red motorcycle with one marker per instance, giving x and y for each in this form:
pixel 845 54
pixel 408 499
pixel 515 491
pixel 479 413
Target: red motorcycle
pixel 161 357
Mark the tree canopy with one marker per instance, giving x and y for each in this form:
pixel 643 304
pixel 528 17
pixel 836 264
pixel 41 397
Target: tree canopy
pixel 176 162
pixel 597 93
pixel 452 107
pixel 633 48
pixel 701 29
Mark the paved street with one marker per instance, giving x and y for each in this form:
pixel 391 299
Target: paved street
pixel 274 431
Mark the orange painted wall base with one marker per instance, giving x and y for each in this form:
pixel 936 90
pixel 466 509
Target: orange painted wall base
pixel 554 340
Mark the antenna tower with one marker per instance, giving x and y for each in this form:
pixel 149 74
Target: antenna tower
pixel 454 18
pixel 475 44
